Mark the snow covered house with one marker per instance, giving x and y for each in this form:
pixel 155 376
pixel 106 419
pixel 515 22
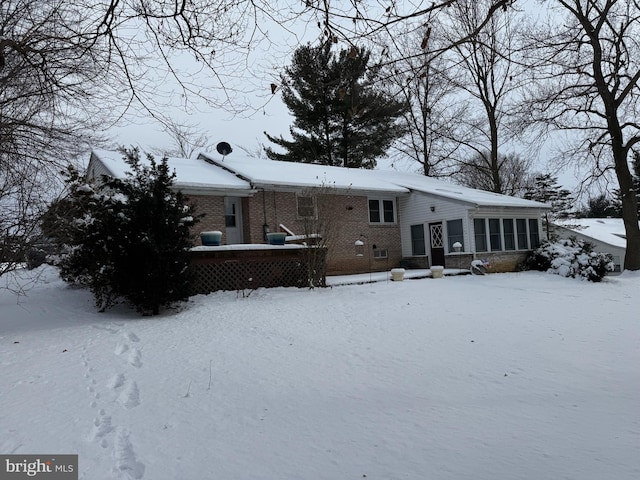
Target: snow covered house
pixel 396 219
pixel 606 234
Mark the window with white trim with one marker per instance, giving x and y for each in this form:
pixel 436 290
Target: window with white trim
pixel 534 233
pixel 523 237
pixel 417 240
pixel 495 238
pixel 506 234
pixel 382 210
pixel 509 234
pixel 455 234
pixel 480 231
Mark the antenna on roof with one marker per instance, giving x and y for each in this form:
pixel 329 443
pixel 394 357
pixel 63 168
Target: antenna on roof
pixel 224 149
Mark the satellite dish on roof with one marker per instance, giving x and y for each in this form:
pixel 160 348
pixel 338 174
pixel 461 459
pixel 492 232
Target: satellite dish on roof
pixel 224 149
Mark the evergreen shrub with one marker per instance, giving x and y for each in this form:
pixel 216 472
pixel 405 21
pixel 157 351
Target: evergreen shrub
pixel 570 258
pixel 126 238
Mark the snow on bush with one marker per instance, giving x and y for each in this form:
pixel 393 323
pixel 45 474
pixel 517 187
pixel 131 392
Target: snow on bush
pixel 570 258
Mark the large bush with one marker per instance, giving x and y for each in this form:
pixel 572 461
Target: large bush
pixel 126 238
pixel 570 258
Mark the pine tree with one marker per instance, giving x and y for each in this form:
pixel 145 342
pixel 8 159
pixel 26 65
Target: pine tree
pixel 341 116
pixel 547 190
pixel 602 206
pixel 128 238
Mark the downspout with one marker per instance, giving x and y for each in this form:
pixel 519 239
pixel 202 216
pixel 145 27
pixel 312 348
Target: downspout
pixel 265 225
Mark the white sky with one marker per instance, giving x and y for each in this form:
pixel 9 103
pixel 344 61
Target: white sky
pixel 267 112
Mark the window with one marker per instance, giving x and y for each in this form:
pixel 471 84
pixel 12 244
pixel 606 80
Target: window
pixel 534 234
pixel 380 253
pixel 521 227
pixel 382 211
pixel 509 234
pixel 454 234
pixel 506 234
pixel 230 215
pixel 480 231
pixel 387 206
pixel 495 239
pixel 417 240
pixel 306 207
pixel 374 211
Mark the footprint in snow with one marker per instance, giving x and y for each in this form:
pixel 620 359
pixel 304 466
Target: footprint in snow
pixel 132 337
pixel 108 329
pixel 101 427
pixel 130 396
pixel 126 463
pixel 116 381
pixel 135 358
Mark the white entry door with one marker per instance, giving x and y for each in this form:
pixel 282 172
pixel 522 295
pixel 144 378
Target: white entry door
pixel 233 219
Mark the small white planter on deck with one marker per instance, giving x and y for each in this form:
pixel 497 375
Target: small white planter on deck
pixel 437 271
pixel 397 274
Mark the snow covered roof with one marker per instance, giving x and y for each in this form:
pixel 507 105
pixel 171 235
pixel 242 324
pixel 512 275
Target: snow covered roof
pixel 270 173
pixel 191 173
pixel 241 175
pixel 606 230
pixel 434 186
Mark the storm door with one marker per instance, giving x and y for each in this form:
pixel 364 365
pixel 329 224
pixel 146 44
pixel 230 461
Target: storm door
pixel 436 236
pixel 233 219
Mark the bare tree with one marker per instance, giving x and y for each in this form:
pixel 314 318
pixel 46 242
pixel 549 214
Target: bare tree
pixel 319 227
pixel 588 69
pixel 514 170
pixel 483 68
pixel 69 70
pixel 433 117
pixel 69 62
pixel 354 20
pixel 188 139
pixel 23 199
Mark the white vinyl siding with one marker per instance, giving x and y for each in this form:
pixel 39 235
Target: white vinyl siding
pixel 416 209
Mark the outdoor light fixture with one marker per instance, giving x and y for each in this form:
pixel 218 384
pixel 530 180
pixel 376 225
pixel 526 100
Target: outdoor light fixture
pixel 433 208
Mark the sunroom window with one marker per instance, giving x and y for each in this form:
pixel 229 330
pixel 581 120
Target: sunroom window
pixel 454 234
pixel 506 234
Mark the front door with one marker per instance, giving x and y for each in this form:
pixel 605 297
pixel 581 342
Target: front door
pixel 233 219
pixel 437 243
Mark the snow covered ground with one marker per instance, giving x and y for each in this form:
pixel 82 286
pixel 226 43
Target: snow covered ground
pixel 505 376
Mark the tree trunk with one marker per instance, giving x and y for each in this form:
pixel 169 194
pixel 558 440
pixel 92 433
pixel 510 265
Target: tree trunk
pixel 629 208
pixel 619 153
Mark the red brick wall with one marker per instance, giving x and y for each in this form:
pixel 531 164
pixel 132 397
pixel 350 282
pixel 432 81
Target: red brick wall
pixel 346 217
